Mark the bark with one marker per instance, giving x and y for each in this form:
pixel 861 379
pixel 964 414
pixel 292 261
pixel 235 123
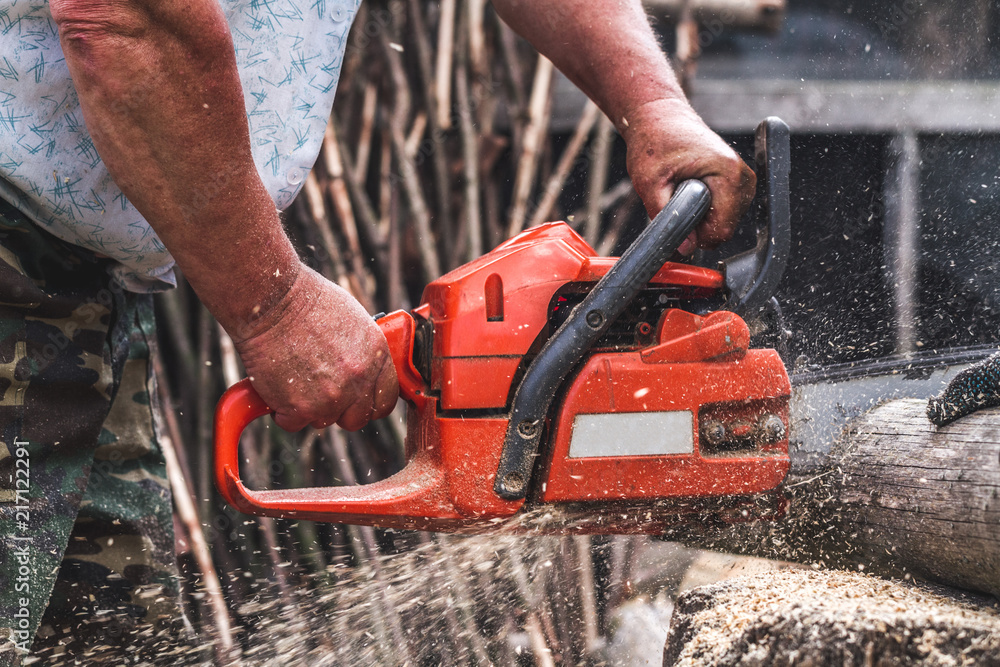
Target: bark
pixel 897 497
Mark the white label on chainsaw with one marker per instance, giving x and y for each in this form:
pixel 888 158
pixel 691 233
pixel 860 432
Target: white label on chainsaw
pixel 632 434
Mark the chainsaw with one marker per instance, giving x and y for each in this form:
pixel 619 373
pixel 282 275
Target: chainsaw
pixel 553 389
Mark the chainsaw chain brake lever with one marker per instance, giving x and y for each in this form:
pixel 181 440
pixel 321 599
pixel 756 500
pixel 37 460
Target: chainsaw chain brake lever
pixel 752 277
pixel 585 325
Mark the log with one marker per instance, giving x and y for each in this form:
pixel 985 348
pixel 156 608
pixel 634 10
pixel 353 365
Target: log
pixel 897 497
pixel 799 617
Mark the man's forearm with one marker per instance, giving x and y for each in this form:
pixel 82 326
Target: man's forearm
pixel 605 47
pixel 161 97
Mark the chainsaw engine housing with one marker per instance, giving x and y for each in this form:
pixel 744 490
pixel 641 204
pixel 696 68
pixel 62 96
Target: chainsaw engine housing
pixel 670 404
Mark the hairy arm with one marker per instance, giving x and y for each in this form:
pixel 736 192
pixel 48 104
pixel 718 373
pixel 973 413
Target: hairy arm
pixel 161 97
pixel 608 50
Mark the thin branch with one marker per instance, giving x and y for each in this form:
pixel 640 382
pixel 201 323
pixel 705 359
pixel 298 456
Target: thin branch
pixel 528 162
pixel 600 160
pixel 205 398
pixel 515 77
pixel 317 209
pixel 588 597
pixel 337 189
pixel 408 172
pixel 442 74
pixel 442 177
pixel 416 134
pixel 554 186
pixel 470 155
pixel 366 217
pixel 476 37
pixel 364 148
pixel 184 503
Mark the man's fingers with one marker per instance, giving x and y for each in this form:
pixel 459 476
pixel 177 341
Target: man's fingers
pixel 689 244
pixel 386 391
pixel 731 197
pixel 304 346
pixel 377 401
pixel 369 407
pixel 357 416
pixel 289 421
pixel 717 228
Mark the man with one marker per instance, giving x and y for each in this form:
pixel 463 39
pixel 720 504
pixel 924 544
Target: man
pixel 158 86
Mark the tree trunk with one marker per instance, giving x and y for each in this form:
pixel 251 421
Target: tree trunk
pixel 897 497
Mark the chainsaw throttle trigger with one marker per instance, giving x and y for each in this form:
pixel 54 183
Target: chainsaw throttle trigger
pixel 751 277
pixel 584 326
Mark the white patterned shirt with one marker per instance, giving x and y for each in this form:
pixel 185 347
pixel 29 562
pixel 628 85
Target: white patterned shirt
pixel 289 54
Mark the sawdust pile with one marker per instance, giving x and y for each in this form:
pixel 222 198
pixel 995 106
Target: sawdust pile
pixel 808 618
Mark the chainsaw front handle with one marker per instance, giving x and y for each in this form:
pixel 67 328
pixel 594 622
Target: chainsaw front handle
pixel 752 277
pixel 241 404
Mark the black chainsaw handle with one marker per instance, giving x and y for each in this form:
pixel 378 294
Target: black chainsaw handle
pixel 751 277
pixel 585 325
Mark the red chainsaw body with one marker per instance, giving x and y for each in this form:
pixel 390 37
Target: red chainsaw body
pixel 671 414
pixel 478 346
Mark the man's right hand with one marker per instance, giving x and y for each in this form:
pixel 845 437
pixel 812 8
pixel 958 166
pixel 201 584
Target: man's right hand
pixel 317 358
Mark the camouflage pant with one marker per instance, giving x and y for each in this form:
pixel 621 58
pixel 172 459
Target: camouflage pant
pixel 86 557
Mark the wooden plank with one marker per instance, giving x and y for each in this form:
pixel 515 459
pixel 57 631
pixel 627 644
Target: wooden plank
pixel 881 107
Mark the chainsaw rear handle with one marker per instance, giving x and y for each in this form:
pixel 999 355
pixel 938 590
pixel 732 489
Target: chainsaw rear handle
pixel 752 277
pixel 585 325
pixel 241 404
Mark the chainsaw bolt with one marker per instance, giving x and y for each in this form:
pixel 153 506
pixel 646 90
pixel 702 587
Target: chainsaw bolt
pixel 714 432
pixel 771 428
pixel 595 319
pixel 513 482
pixel 527 429
pixel 645 328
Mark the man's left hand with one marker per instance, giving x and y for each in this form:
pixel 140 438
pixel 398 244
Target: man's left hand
pixel 667 144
